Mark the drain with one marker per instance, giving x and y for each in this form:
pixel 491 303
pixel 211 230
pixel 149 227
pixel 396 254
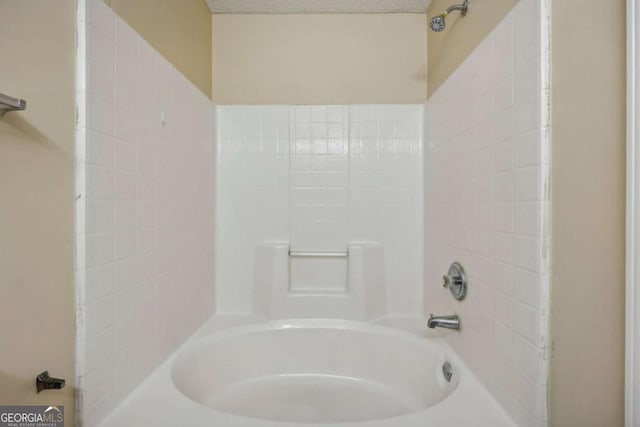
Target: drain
pixel 447 371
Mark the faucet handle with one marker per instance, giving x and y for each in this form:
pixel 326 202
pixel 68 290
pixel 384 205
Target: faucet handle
pixel 456 281
pixel 446 281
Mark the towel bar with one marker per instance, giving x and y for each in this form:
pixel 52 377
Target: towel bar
pixel 8 103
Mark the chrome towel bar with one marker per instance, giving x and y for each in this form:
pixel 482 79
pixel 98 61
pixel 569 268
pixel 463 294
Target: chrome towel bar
pixel 8 103
pixel 307 254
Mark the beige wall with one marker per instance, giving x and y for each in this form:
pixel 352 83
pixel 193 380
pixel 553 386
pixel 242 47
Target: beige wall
pixel 179 29
pixel 37 305
pixel 588 212
pixel 319 59
pixel 449 48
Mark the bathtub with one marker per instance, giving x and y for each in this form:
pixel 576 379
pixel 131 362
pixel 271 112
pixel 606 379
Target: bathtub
pixel 315 371
pixel 239 372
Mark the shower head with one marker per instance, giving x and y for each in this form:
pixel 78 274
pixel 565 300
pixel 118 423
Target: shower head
pixel 437 23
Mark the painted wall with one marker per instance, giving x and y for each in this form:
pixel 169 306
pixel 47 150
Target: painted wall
pixel 319 59
pixel 462 35
pixel 144 211
pixel 588 213
pixel 319 178
pixel 37 41
pixel 487 207
pixel 178 30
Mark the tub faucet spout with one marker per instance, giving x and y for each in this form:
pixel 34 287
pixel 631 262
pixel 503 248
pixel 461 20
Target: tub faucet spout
pixel 449 322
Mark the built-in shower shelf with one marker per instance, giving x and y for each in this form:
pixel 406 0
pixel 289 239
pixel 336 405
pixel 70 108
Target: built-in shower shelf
pixel 8 103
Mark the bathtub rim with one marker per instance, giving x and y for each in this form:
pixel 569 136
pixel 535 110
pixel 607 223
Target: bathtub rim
pixel 204 337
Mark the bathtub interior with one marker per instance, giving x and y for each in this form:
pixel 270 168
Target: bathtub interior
pixel 309 373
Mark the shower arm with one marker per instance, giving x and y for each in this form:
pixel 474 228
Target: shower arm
pixel 461 7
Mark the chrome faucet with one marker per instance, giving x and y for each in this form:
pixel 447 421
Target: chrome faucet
pixel 449 322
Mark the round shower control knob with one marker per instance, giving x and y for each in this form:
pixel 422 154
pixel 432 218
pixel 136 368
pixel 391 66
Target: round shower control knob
pixel 456 281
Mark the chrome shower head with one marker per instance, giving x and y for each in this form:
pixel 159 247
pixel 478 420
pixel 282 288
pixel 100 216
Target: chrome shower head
pixel 437 23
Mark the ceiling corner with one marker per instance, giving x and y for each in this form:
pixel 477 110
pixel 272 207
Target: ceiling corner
pixel 209 4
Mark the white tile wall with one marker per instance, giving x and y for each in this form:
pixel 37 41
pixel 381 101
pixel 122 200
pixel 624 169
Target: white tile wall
pixel 487 206
pixel 144 209
pixel 319 177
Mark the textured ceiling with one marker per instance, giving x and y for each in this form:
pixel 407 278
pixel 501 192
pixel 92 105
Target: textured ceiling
pixel 318 6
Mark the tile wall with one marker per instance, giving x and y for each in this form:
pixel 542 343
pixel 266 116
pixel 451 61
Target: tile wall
pixel 316 177
pixel 319 177
pixel 144 209
pixel 487 192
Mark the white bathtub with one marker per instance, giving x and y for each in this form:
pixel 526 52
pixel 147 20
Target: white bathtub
pixel 309 372
pixel 315 371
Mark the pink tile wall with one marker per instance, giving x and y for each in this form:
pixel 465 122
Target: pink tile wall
pixel 144 209
pixel 487 201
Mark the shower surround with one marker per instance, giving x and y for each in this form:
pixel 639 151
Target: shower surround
pixel 400 198
pixel 321 179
